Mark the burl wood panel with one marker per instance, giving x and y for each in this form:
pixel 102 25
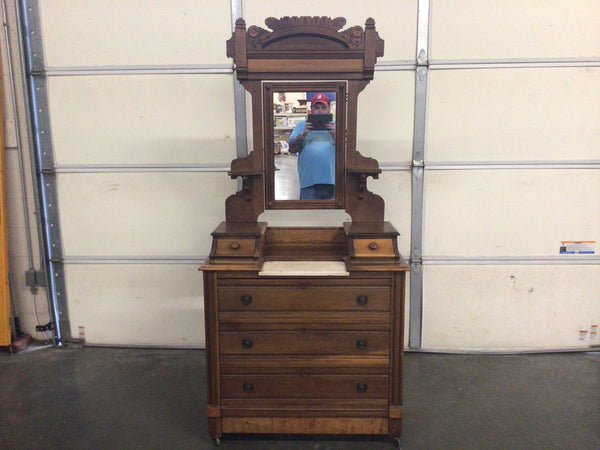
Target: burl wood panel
pixel 305 425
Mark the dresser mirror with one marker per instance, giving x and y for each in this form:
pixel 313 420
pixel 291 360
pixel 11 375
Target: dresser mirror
pixel 304 144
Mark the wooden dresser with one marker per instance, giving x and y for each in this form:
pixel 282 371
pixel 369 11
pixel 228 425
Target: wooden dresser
pixel 304 325
pixel 301 346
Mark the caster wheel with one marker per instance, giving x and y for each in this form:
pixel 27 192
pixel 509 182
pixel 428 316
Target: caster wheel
pixel 217 441
pixel 397 442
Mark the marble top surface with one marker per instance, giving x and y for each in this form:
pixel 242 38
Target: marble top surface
pixel 304 268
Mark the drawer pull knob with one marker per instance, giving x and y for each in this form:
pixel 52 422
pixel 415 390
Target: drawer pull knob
pixel 304 373
pixel 235 245
pixel 362 387
pixel 362 300
pixel 373 246
pixel 247 386
pixel 361 344
pixel 247 343
pixel 246 299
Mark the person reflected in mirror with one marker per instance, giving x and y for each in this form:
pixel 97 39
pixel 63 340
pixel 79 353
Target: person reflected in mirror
pixel 316 149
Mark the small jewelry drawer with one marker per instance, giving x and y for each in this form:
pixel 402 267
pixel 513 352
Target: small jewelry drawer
pixel 374 248
pixel 303 384
pixel 231 247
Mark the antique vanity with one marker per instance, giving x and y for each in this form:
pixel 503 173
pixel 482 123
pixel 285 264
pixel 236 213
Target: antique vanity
pixel 304 325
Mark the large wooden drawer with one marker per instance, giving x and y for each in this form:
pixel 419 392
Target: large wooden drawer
pixel 298 343
pixel 305 385
pixel 304 295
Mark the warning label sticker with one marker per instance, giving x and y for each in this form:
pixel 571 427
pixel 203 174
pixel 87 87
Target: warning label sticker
pixel 577 247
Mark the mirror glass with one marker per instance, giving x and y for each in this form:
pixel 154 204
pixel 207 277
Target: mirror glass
pixel 305 129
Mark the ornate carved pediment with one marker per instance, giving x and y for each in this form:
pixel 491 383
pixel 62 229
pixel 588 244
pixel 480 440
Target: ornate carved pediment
pixel 294 36
pixel 305 32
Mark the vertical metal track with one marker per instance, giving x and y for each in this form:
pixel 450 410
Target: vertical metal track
pixel 239 93
pixel 418 166
pixel 46 175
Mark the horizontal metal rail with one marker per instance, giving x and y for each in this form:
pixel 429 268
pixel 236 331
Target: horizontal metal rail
pixel 512 260
pixel 113 168
pixel 426 260
pixel 515 63
pixel 385 166
pixel 498 165
pixel 72 260
pixel 181 69
pixel 194 69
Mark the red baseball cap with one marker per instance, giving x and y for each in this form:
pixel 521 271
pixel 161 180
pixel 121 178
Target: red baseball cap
pixel 319 97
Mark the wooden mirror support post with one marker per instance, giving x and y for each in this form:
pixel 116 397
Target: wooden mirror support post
pixel 304 325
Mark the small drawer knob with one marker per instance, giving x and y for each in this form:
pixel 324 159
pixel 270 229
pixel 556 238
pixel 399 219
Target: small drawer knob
pixel 235 245
pixel 246 299
pixel 247 386
pixel 362 387
pixel 247 343
pixel 373 246
pixel 361 344
pixel 362 300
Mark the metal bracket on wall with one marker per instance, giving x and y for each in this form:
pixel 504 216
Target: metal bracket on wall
pixel 43 156
pixel 35 279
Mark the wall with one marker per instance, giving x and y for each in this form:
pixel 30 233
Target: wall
pixel 503 109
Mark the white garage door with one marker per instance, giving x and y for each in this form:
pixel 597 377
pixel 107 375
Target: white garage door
pixel 484 116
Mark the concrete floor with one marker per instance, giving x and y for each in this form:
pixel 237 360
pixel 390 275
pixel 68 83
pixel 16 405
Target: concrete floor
pixel 99 398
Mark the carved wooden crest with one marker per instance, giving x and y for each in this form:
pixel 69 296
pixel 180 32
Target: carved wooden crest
pixel 293 39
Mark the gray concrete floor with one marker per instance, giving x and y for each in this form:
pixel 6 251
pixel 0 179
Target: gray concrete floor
pixel 99 398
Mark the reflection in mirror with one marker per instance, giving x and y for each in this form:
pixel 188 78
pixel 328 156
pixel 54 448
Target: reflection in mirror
pixel 304 134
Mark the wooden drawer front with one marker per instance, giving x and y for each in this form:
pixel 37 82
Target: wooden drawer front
pixel 315 298
pixel 304 385
pixel 374 248
pixel 235 247
pixel 299 343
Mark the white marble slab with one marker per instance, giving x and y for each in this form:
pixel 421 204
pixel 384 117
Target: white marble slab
pixel 304 269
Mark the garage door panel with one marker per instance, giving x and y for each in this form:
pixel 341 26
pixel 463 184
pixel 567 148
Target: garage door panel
pixel 141 214
pixel 386 117
pixel 513 115
pixel 476 29
pixel 394 187
pixel 510 307
pixel 143 119
pixel 130 304
pixel 479 213
pixel 135 32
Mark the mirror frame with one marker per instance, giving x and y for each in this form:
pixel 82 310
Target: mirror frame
pixel 270 88
pixel 304 52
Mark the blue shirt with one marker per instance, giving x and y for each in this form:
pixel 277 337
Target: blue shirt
pixel 316 162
